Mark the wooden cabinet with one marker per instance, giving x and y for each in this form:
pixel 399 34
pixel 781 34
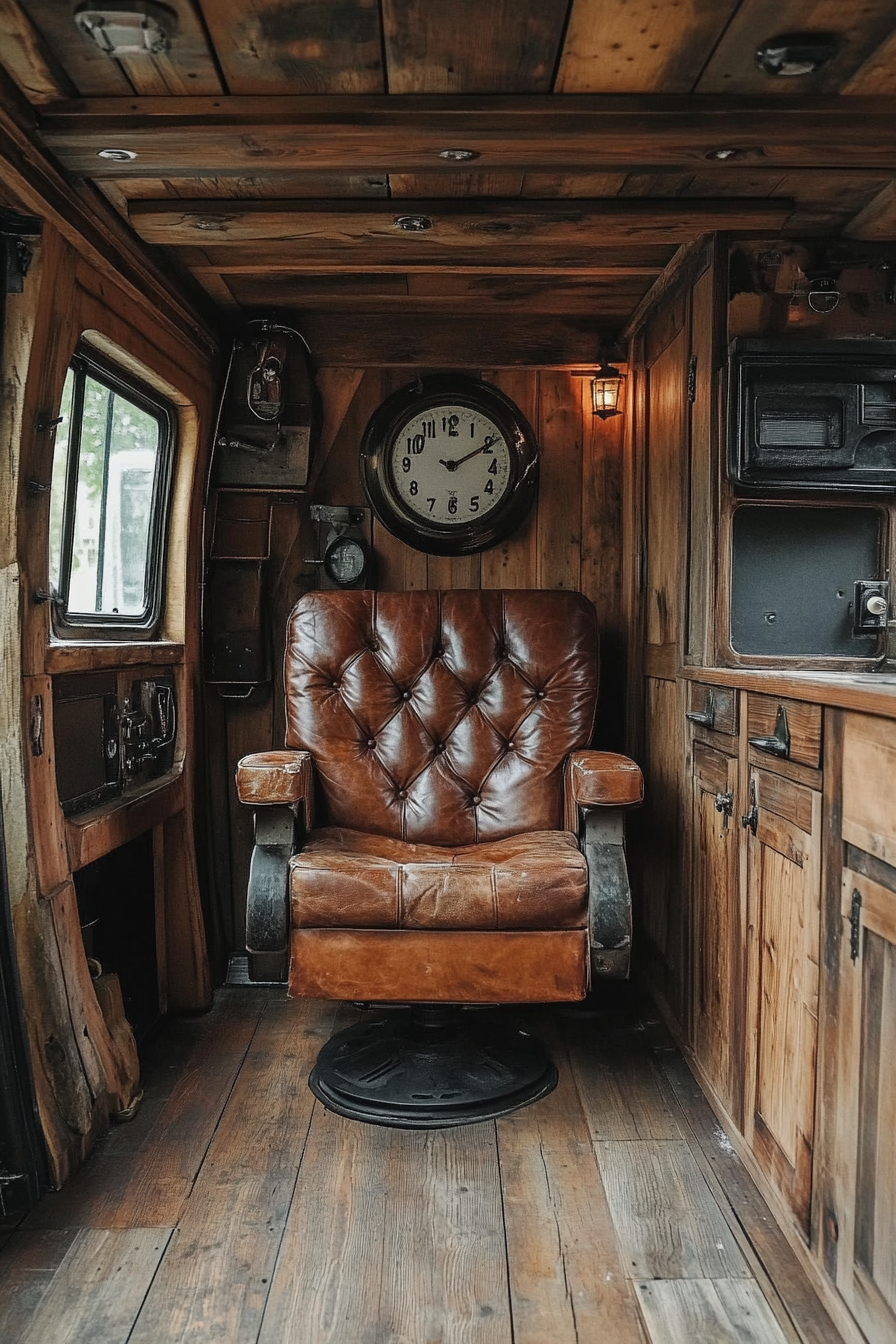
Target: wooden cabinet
pixel 783 894
pixel 856 1202
pixel 755 885
pixel 718 936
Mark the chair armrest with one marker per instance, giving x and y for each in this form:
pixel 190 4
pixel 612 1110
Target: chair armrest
pixel 278 784
pixel 600 779
pixel 274 777
pixel 598 785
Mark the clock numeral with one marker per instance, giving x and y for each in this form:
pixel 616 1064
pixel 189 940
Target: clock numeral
pixel 413 488
pixel 472 429
pixel 474 503
pixel 415 444
pixel 449 425
pixel 429 429
pixel 452 504
pixel 489 487
pixel 493 469
pixel 405 464
pixel 431 503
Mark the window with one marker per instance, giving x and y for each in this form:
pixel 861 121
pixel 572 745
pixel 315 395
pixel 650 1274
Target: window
pixel 109 494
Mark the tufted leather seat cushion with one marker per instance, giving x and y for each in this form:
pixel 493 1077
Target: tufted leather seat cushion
pixel 348 879
pixel 441 718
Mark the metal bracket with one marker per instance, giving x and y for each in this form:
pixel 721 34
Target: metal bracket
pixel 855 925
pixel 692 379
pixel 779 742
pixel 609 892
pixel 751 818
pixel 267 909
pixel 706 716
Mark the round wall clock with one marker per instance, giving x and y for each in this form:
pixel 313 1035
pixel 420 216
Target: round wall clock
pixel 449 464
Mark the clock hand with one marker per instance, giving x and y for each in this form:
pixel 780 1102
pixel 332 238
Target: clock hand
pixel 453 463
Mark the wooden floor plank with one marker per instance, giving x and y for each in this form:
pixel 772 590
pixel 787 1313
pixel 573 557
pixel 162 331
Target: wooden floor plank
pixel 564 1268
pixel 445 1270
pixel 739 1198
pixel 146 1184
pixel 707 1311
pixel 616 1080
pixel 326 1283
pixel 216 1273
pixel 667 1221
pixel 28 1265
pixel 99 1286
pixel 567 1282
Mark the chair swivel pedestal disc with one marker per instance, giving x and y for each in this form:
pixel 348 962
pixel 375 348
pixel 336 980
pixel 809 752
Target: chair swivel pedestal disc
pixel 431 1067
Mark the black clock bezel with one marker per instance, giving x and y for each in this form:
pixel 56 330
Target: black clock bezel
pixel 442 538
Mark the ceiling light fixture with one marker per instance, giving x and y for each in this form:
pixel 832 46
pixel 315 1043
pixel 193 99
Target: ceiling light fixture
pixel 413 223
pixel 793 55
pixel 726 153
pixel 458 155
pixel 116 155
pixel 128 29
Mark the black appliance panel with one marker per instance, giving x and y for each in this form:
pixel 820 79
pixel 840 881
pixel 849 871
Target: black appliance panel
pixel 85 736
pixel 793 573
pixel 813 417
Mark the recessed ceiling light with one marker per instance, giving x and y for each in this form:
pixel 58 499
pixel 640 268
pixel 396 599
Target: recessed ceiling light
pixel 458 155
pixel 795 54
pixel 413 223
pixel 116 155
pixel 128 29
pixel 726 153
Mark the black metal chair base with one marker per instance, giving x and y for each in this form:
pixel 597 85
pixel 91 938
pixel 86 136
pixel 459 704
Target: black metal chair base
pixel 431 1067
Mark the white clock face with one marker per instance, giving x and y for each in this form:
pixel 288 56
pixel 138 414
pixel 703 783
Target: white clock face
pixel 450 465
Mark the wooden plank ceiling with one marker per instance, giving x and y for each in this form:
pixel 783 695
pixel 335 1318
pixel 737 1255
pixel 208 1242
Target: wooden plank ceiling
pixel 277 143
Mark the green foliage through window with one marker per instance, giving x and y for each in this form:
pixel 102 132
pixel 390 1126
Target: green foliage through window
pixel 108 495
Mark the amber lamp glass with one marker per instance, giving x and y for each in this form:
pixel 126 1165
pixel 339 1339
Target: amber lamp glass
pixel 606 390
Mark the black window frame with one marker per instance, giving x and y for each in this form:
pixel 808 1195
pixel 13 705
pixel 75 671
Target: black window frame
pixel 109 625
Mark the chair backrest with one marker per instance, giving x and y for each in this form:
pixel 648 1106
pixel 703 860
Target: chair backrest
pixel 441 717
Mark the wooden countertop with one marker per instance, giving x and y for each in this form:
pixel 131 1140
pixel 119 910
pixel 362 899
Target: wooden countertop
pixel 866 692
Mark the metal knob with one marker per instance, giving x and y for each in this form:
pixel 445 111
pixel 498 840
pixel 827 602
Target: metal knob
pixel 876 605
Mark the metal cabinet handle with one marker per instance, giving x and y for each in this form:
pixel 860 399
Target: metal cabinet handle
pixel 779 742
pixel 751 818
pixel 706 716
pixel 724 802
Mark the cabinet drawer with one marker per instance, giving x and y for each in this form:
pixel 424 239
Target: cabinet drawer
pixel 803 727
pixel 713 707
pixel 869 772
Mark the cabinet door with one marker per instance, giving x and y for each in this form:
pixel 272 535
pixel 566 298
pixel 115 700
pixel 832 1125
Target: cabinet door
pixel 718 927
pixel 783 890
pixel 866 1103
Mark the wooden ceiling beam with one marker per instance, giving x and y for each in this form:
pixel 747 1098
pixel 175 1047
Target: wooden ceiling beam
pixel 175 136
pixel 467 228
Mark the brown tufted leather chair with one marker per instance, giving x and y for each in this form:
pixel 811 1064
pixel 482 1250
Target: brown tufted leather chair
pixel 471 846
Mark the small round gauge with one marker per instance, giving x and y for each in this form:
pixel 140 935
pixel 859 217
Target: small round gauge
pixel 345 560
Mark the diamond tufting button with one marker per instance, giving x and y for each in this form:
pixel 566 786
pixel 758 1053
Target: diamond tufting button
pixel 476 799
pixel 511 747
pixel 371 741
pixel 405 695
pixel 539 695
pixel 402 793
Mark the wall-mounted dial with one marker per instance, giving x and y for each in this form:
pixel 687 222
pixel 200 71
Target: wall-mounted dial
pixel 449 464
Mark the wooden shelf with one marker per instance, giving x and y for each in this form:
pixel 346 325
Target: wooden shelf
pixel 92 834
